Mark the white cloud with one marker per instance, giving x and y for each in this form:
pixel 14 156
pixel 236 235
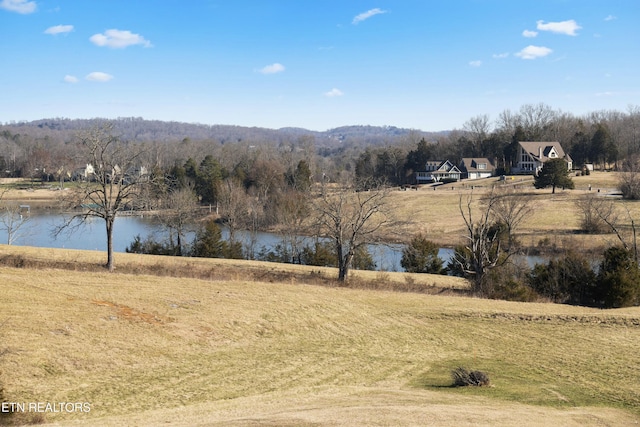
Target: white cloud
pixel 533 52
pixel 529 33
pixel 333 93
pixel 500 55
pixel 59 29
pixel 564 27
pixel 118 39
pixel 273 69
pixel 610 18
pixel 19 6
pixel 70 79
pixel 475 63
pixel 98 76
pixel 366 15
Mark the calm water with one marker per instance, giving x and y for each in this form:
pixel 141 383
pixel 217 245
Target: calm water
pixel 92 236
pixel 39 231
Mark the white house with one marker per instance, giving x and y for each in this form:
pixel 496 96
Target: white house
pixel 476 168
pixel 83 173
pixel 532 156
pixel 436 171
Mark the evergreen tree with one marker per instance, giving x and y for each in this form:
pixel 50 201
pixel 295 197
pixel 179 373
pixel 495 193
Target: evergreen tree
pixel 417 159
pixel 601 149
pixel 210 175
pixel 300 178
pixel 618 282
pixel 421 256
pixel 209 243
pixel 554 173
pixel 566 280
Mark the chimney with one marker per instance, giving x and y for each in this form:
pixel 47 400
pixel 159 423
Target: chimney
pixel 540 152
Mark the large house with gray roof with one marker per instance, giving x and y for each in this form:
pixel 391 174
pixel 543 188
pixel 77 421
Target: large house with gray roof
pixel 533 154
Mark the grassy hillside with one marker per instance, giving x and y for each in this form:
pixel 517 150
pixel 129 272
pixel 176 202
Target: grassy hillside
pixel 149 350
pixel 556 218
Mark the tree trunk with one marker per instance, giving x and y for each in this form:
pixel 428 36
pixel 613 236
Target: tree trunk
pixel 343 270
pixel 343 265
pixel 109 221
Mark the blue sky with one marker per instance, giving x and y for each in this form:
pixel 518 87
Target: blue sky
pixel 317 64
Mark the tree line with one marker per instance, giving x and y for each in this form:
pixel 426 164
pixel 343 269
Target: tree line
pixel 603 139
pixel 44 149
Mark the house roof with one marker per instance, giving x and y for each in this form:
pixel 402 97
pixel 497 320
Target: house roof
pixel 540 150
pixel 470 164
pixel 443 167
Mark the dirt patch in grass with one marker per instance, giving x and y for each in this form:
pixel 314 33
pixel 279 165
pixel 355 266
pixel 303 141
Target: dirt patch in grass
pixel 131 314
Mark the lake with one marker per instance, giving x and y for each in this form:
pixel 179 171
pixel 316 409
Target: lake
pixel 92 236
pixel 39 232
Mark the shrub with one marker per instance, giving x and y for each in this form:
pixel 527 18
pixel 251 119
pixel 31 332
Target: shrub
pixel 324 254
pixel 618 283
pixel 421 256
pixel 279 253
pixel 149 246
pixel 462 378
pixel 566 280
pixel 208 242
pixel 321 254
pixel 362 259
pixel 512 290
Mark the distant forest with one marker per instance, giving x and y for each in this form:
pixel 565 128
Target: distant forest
pixel 44 148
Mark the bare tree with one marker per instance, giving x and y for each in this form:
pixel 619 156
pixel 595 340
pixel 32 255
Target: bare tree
pixel 629 181
pixel 13 219
pixel 178 216
pixel 293 213
pixel 607 213
pixel 477 130
pixel 351 220
pixel 115 183
pixel 598 213
pixel 536 120
pixel 483 250
pixel 510 207
pixel 234 207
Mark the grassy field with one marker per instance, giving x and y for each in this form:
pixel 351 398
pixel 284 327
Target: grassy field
pixel 148 350
pixel 555 219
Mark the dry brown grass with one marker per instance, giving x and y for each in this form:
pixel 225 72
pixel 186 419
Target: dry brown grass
pixel 226 269
pixel 149 350
pixel 556 219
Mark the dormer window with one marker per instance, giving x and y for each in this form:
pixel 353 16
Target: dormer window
pixel 482 166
